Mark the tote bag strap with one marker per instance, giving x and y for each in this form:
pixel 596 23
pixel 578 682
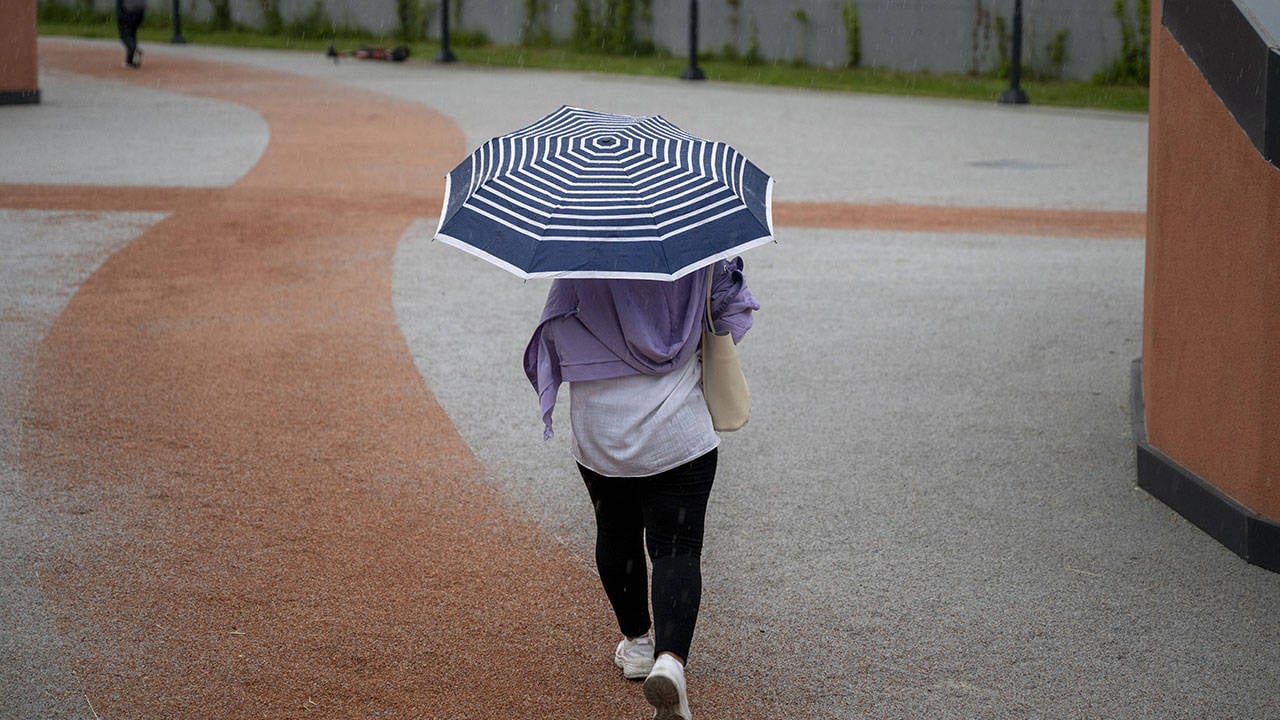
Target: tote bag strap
pixel 706 318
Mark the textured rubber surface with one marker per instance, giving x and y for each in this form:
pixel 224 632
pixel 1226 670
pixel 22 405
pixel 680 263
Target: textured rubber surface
pixel 261 511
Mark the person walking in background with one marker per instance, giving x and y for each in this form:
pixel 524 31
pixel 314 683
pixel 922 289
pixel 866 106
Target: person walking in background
pixel 129 16
pixel 645 447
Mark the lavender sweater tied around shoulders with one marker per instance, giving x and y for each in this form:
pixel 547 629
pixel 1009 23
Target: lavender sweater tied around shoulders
pixel 599 329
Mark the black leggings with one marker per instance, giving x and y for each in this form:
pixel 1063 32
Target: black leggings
pixel 128 22
pixel 666 512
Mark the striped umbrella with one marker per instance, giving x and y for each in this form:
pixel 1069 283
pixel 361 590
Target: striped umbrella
pixel 592 195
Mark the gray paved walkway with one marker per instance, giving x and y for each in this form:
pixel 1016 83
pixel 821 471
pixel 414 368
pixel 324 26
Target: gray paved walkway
pixel 932 512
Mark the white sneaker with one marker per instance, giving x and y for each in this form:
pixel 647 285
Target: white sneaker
pixel 665 690
pixel 635 657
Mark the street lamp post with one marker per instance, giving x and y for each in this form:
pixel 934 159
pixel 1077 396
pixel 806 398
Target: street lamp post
pixel 1014 94
pixel 693 72
pixel 177 38
pixel 446 55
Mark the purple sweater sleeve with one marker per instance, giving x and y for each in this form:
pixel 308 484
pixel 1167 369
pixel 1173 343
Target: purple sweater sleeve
pixel 732 302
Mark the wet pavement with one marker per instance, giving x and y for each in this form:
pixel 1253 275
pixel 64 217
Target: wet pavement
pixel 932 512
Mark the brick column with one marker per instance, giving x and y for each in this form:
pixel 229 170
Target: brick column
pixel 1211 326
pixel 19 83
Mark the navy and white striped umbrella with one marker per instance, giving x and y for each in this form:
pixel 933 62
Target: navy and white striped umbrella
pixel 592 195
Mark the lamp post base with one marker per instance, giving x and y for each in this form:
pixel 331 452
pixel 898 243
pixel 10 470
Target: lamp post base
pixel 1014 96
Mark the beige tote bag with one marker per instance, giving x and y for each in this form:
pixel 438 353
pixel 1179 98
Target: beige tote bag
pixel 723 385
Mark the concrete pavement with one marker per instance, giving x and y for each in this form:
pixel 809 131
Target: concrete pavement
pixel 932 512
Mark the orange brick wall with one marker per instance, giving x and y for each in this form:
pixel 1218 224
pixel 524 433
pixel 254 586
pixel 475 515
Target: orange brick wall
pixel 1211 327
pixel 18 46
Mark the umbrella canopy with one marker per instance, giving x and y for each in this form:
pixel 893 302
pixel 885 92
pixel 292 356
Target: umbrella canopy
pixel 592 195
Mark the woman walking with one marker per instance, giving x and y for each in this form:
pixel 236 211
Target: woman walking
pixel 645 447
pixel 129 16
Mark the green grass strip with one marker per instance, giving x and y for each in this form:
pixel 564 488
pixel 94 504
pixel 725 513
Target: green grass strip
pixel 1057 93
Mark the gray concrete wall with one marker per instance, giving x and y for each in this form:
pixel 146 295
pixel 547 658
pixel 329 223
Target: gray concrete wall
pixel 941 36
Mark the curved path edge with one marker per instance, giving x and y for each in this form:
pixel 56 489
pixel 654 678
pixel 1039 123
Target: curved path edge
pixel 265 511
pixel 262 509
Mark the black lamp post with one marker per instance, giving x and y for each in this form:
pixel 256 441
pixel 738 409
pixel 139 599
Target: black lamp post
pixel 177 38
pixel 446 55
pixel 1014 95
pixel 693 72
